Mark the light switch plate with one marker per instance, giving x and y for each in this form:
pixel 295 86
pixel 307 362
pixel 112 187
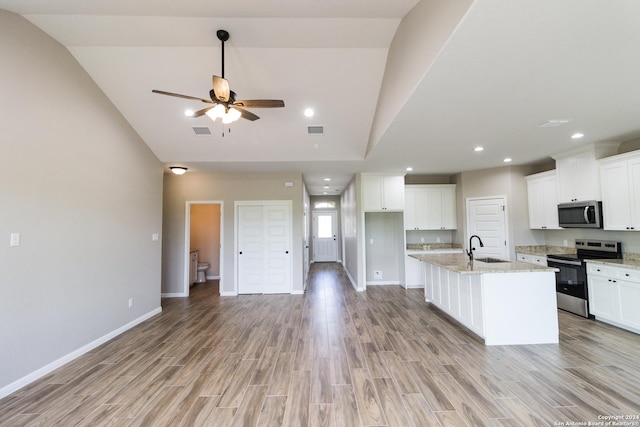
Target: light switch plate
pixel 155 237
pixel 15 239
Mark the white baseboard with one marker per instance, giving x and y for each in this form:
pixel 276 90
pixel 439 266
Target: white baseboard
pixel 173 295
pixel 297 292
pixel 228 294
pixel 382 283
pixel 353 282
pixel 39 373
pixel 413 286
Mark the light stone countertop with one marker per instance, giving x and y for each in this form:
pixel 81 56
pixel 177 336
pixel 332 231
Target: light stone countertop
pixel 629 263
pixel 460 263
pixel 544 250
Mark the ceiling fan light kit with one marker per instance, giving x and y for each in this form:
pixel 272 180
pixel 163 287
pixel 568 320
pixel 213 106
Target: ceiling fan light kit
pixel 223 98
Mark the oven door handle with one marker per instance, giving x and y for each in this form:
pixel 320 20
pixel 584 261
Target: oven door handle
pixel 562 261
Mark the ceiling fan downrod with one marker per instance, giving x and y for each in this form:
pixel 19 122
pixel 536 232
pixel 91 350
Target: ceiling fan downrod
pixel 223 36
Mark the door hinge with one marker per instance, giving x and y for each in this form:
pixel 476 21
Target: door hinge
pixel 502 208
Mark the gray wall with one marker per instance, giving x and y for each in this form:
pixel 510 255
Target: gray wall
pixel 227 188
pixel 85 194
pixel 504 181
pixel 352 239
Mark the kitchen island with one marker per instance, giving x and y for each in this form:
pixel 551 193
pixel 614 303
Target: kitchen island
pixel 504 303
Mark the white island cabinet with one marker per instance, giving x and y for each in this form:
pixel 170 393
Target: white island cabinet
pixel 504 303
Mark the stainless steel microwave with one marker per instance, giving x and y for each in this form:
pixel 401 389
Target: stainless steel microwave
pixel 587 214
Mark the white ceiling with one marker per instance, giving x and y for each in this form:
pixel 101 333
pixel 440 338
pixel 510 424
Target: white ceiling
pixel 510 66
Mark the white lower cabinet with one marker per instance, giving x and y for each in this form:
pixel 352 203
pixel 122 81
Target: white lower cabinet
pixel 531 259
pixel 414 277
pixel 614 295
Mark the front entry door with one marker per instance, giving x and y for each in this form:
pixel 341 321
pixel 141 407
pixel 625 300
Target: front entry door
pixel 264 248
pixel 487 219
pixel 325 237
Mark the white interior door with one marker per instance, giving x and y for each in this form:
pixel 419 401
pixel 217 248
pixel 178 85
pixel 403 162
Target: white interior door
pixel 487 219
pixel 277 254
pixel 251 257
pixel 325 236
pixel 264 248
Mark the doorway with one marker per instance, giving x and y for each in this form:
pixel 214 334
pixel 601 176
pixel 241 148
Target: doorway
pixel 487 218
pixel 204 233
pixel 325 236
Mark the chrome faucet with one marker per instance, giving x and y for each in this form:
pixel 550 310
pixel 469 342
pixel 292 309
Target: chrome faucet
pixel 471 248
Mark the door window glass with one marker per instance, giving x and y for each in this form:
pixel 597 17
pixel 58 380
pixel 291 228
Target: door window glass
pixel 324 227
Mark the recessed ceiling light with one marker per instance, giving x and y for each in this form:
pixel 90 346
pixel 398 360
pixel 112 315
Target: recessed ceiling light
pixel 478 149
pixel 409 169
pixel 189 113
pixel 577 135
pixel 324 192
pixel 507 159
pixel 327 179
pixel 326 187
pixel 309 112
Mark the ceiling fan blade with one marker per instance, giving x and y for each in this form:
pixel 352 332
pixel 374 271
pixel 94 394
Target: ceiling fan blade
pixel 260 103
pixel 246 114
pixel 201 112
pixel 177 95
pixel 221 88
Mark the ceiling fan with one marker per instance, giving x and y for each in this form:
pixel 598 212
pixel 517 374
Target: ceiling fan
pixel 224 100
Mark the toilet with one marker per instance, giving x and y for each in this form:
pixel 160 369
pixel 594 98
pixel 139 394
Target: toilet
pixel 202 272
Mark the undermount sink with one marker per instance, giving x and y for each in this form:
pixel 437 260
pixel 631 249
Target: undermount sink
pixel 490 260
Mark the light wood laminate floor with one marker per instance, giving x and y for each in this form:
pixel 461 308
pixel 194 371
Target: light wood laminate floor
pixel 332 357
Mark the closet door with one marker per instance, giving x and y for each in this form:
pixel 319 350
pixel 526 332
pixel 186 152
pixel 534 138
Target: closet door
pixel 277 226
pixel 264 248
pixel 250 249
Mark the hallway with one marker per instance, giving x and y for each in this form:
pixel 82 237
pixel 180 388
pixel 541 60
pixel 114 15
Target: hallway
pixel 331 357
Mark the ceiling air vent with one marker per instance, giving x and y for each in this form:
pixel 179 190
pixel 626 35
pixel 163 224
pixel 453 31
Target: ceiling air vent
pixel 201 130
pixel 554 123
pixel 315 130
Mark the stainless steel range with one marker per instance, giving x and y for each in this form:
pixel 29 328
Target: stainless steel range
pixel 571 279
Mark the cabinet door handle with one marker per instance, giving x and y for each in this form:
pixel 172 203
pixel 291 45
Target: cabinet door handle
pixel 240 252
pixel 286 252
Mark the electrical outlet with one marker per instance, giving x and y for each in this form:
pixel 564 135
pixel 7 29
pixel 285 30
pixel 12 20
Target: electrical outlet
pixel 422 240
pixel 437 240
pixel 566 243
pixel 15 239
pixel 377 274
pixel 130 302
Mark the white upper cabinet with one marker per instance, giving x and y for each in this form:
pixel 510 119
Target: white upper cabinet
pixel 578 171
pixel 430 207
pixel 620 177
pixel 542 195
pixel 382 193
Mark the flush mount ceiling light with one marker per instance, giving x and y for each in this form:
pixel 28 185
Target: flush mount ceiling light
pixel 327 179
pixel 189 113
pixel 478 149
pixel 409 169
pixel 178 170
pixel 577 135
pixel 309 112
pixel 507 159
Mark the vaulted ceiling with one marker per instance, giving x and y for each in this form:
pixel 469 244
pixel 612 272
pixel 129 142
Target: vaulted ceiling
pixel 394 84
